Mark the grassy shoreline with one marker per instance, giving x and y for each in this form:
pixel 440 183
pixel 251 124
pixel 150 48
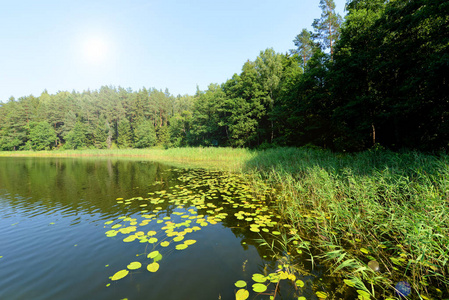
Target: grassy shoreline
pixel 227 159
pixel 354 208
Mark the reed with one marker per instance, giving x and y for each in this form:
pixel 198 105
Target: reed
pixel 377 205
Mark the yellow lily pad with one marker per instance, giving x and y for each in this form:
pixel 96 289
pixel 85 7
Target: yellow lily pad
pixel 240 284
pixel 134 265
pixel 153 267
pixel 241 294
pixel 119 275
pixel 259 287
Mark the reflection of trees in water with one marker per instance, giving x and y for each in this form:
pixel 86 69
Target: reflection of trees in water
pixel 90 185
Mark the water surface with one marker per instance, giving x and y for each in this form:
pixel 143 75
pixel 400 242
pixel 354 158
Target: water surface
pixel 55 213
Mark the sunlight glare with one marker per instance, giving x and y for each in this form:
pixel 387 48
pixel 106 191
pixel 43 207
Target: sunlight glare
pixel 96 50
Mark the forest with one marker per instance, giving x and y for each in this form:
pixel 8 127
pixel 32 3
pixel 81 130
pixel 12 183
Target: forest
pixel 377 78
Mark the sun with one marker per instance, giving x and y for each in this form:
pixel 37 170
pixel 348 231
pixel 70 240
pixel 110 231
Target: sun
pixel 96 50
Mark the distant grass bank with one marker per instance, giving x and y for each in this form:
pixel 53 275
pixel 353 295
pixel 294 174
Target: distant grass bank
pixel 228 159
pixel 392 208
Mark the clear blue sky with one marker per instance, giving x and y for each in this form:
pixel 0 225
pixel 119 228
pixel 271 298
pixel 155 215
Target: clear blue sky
pixel 65 45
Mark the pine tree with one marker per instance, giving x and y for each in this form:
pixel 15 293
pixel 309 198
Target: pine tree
pixel 304 46
pixel 327 29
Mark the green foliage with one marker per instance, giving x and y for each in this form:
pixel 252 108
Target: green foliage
pixel 208 126
pixel 124 134
pixel 77 137
pixel 145 135
pixel 42 136
pixel 179 128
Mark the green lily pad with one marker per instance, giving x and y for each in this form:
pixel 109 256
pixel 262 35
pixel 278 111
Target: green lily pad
pixel 321 295
pixel 189 242
pixel 157 258
pixel 241 294
pixel 130 238
pixel 153 267
pixel 134 265
pixel 181 246
pixel 259 278
pixel 152 240
pixel 259 287
pixel 178 238
pixel 153 254
pixel 240 284
pixel 119 275
pixel 165 244
pixel 111 233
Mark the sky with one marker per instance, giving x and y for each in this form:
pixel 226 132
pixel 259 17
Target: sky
pixel 66 45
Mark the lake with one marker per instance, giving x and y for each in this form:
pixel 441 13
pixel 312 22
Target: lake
pixel 106 228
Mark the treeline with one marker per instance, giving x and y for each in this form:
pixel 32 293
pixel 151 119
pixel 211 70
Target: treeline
pixel 107 118
pixel 380 77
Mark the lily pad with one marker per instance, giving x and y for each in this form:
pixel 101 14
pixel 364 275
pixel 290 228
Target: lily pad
pixel 240 284
pixel 181 246
pixel 152 240
pixel 119 275
pixel 178 238
pixel 165 244
pixel 130 238
pixel 189 242
pixel 134 265
pixel 153 254
pixel 153 267
pixel 259 278
pixel 241 294
pixel 259 287
pixel 157 258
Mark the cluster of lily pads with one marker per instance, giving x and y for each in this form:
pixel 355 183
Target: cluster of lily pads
pixel 166 218
pixel 262 282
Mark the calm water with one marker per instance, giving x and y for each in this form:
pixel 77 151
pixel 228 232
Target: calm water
pixel 54 213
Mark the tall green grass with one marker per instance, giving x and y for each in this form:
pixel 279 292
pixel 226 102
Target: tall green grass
pixel 377 205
